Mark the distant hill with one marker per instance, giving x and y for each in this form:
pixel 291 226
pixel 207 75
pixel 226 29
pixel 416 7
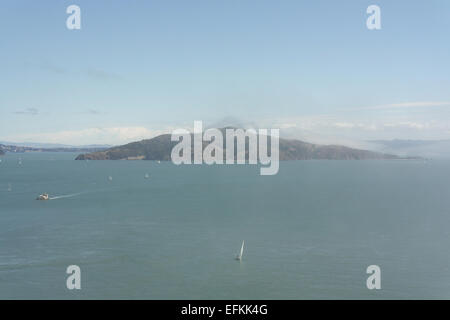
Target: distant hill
pixel 160 148
pixel 39 145
pixel 436 149
pixel 22 149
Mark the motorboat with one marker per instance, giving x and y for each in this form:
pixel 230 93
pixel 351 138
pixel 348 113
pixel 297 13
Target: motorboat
pixel 43 197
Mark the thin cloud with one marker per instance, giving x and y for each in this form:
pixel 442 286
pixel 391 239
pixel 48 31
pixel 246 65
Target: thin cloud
pixel 93 111
pixel 29 111
pixel 353 125
pixel 409 125
pixel 101 74
pixel 47 66
pixel 101 135
pixel 54 69
pixel 420 104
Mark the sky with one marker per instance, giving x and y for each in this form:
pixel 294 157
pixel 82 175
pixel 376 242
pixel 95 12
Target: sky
pixel 136 69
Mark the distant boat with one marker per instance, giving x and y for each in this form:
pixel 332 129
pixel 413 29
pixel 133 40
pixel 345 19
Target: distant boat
pixel 147 176
pixel 159 161
pixel 43 197
pixel 239 256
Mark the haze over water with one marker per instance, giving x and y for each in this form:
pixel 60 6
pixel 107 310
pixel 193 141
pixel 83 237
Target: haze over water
pixel 310 231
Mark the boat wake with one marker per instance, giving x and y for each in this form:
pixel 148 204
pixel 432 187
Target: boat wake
pixel 80 193
pixel 65 196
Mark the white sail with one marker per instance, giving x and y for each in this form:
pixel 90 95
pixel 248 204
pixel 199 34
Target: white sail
pixel 242 251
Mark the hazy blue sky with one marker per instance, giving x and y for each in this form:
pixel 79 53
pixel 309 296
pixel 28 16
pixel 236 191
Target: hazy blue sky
pixel 137 68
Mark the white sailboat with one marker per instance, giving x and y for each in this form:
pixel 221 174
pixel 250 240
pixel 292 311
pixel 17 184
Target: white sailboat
pixel 239 256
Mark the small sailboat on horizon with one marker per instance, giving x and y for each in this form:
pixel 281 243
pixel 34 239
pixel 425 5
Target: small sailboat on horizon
pixel 239 256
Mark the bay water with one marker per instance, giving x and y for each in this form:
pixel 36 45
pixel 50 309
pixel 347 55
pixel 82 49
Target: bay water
pixel 148 230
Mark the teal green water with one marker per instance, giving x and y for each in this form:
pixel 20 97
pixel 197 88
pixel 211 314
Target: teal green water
pixel 310 231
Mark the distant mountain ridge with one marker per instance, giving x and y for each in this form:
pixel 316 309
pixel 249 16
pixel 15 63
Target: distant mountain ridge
pixel 39 145
pixel 22 149
pixel 435 149
pixel 160 148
